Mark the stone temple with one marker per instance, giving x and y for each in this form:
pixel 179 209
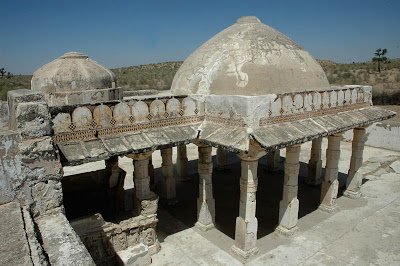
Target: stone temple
pixel 249 91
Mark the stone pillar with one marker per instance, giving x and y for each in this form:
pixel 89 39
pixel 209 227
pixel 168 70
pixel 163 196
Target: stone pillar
pixel 246 223
pixel 205 202
pixel 222 159
pixel 315 163
pixel 169 182
pixel 182 162
pixel 354 178
pixel 151 171
pixel 330 184
pixel 146 201
pixel 289 205
pixel 116 178
pixel 273 160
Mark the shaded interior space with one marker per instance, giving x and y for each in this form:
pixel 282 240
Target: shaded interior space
pixel 85 194
pixel 88 193
pixel 183 215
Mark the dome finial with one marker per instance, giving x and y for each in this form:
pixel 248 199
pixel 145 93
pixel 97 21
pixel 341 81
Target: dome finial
pixel 247 20
pixel 74 55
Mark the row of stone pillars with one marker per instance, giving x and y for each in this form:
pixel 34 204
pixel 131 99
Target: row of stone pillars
pixel 246 222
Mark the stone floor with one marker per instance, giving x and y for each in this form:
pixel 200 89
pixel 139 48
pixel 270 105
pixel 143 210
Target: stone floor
pixel 361 232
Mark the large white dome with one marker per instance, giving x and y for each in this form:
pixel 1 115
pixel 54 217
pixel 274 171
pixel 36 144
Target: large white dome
pixel 249 58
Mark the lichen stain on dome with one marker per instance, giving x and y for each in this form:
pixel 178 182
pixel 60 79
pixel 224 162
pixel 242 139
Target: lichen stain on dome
pixel 249 58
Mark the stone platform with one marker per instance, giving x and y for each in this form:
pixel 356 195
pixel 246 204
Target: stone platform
pixel 361 232
pixel 14 247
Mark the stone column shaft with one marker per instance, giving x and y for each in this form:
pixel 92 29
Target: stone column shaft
pixel 273 160
pixel 315 163
pixel 289 205
pixel 354 178
pixel 182 162
pixel 142 179
pixel 116 178
pixel 330 184
pixel 151 171
pixel 169 182
pixel 205 202
pixel 222 159
pixel 146 201
pixel 246 223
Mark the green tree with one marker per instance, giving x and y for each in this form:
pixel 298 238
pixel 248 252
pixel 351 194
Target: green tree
pixel 2 71
pixel 380 57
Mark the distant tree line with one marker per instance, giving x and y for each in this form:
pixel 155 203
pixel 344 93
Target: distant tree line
pixel 4 73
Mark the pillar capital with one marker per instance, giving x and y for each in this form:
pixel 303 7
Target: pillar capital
pixel 200 143
pixel 140 156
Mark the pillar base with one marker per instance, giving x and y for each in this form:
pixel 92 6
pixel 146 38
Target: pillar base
pixel 286 232
pixel 244 254
pixel 326 208
pixel 204 227
pixel 352 194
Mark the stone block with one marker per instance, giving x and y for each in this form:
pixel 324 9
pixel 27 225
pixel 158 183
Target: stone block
pixel 10 165
pixel 61 243
pixel 47 198
pixel 28 113
pixel 245 237
pixel 3 114
pixel 329 193
pixel 288 214
pixel 39 160
pixel 149 206
pixel 135 256
pixel 14 247
pixel 33 119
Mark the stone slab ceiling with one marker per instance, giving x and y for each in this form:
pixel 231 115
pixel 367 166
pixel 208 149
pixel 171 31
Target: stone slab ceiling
pixel 280 135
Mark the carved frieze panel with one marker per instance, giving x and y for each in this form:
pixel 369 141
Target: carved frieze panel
pixel 91 122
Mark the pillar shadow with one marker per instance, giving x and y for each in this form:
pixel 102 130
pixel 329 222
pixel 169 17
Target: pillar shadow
pixel 227 194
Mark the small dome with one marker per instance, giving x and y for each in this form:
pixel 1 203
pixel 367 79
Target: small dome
pixel 72 71
pixel 249 58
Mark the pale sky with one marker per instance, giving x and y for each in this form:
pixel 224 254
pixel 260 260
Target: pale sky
pixel 124 33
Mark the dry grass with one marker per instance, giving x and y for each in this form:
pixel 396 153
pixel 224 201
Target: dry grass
pixel 159 76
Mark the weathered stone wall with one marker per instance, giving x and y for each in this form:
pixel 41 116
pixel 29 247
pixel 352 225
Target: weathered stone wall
pixel 31 172
pixel 37 170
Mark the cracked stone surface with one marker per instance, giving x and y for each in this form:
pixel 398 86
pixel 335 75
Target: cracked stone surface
pixel 14 247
